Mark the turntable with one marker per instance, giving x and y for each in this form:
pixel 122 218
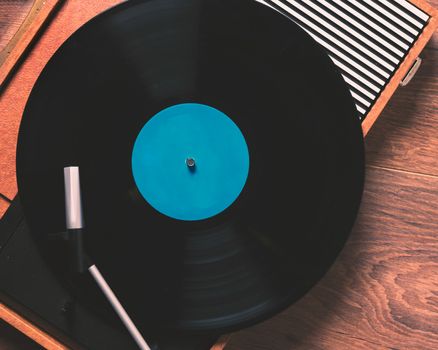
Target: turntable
pixel 186 138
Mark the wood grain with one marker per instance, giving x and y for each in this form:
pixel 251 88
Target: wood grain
pixel 382 293
pixel 31 26
pixel 434 40
pixel 406 136
pixel 12 15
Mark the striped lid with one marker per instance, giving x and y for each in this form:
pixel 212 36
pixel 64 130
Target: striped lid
pixel 366 39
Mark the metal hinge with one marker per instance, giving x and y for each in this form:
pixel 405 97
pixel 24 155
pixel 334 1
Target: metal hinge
pixel 408 77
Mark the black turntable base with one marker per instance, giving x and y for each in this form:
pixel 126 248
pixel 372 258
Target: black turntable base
pixel 29 287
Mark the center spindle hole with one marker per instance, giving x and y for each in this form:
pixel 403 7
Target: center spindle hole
pixel 190 162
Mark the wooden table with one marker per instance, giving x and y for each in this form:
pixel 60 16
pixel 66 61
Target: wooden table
pixel 382 292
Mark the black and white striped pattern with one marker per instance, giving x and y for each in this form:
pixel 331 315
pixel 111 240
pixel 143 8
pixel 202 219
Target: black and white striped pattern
pixel 366 39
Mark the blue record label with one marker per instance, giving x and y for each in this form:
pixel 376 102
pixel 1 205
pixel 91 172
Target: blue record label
pixel 190 161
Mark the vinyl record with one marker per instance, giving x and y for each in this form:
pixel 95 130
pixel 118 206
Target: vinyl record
pixel 220 154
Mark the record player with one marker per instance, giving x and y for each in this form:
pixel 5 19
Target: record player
pixel 66 304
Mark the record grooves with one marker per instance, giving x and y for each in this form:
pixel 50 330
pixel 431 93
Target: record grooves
pixel 276 217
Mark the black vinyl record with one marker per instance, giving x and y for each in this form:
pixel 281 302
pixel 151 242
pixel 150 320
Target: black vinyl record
pixel 305 179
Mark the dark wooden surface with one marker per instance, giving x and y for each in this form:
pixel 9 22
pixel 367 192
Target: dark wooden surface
pixel 382 293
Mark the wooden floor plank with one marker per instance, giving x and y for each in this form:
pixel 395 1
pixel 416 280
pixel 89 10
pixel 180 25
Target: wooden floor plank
pixel 382 293
pixel 405 137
